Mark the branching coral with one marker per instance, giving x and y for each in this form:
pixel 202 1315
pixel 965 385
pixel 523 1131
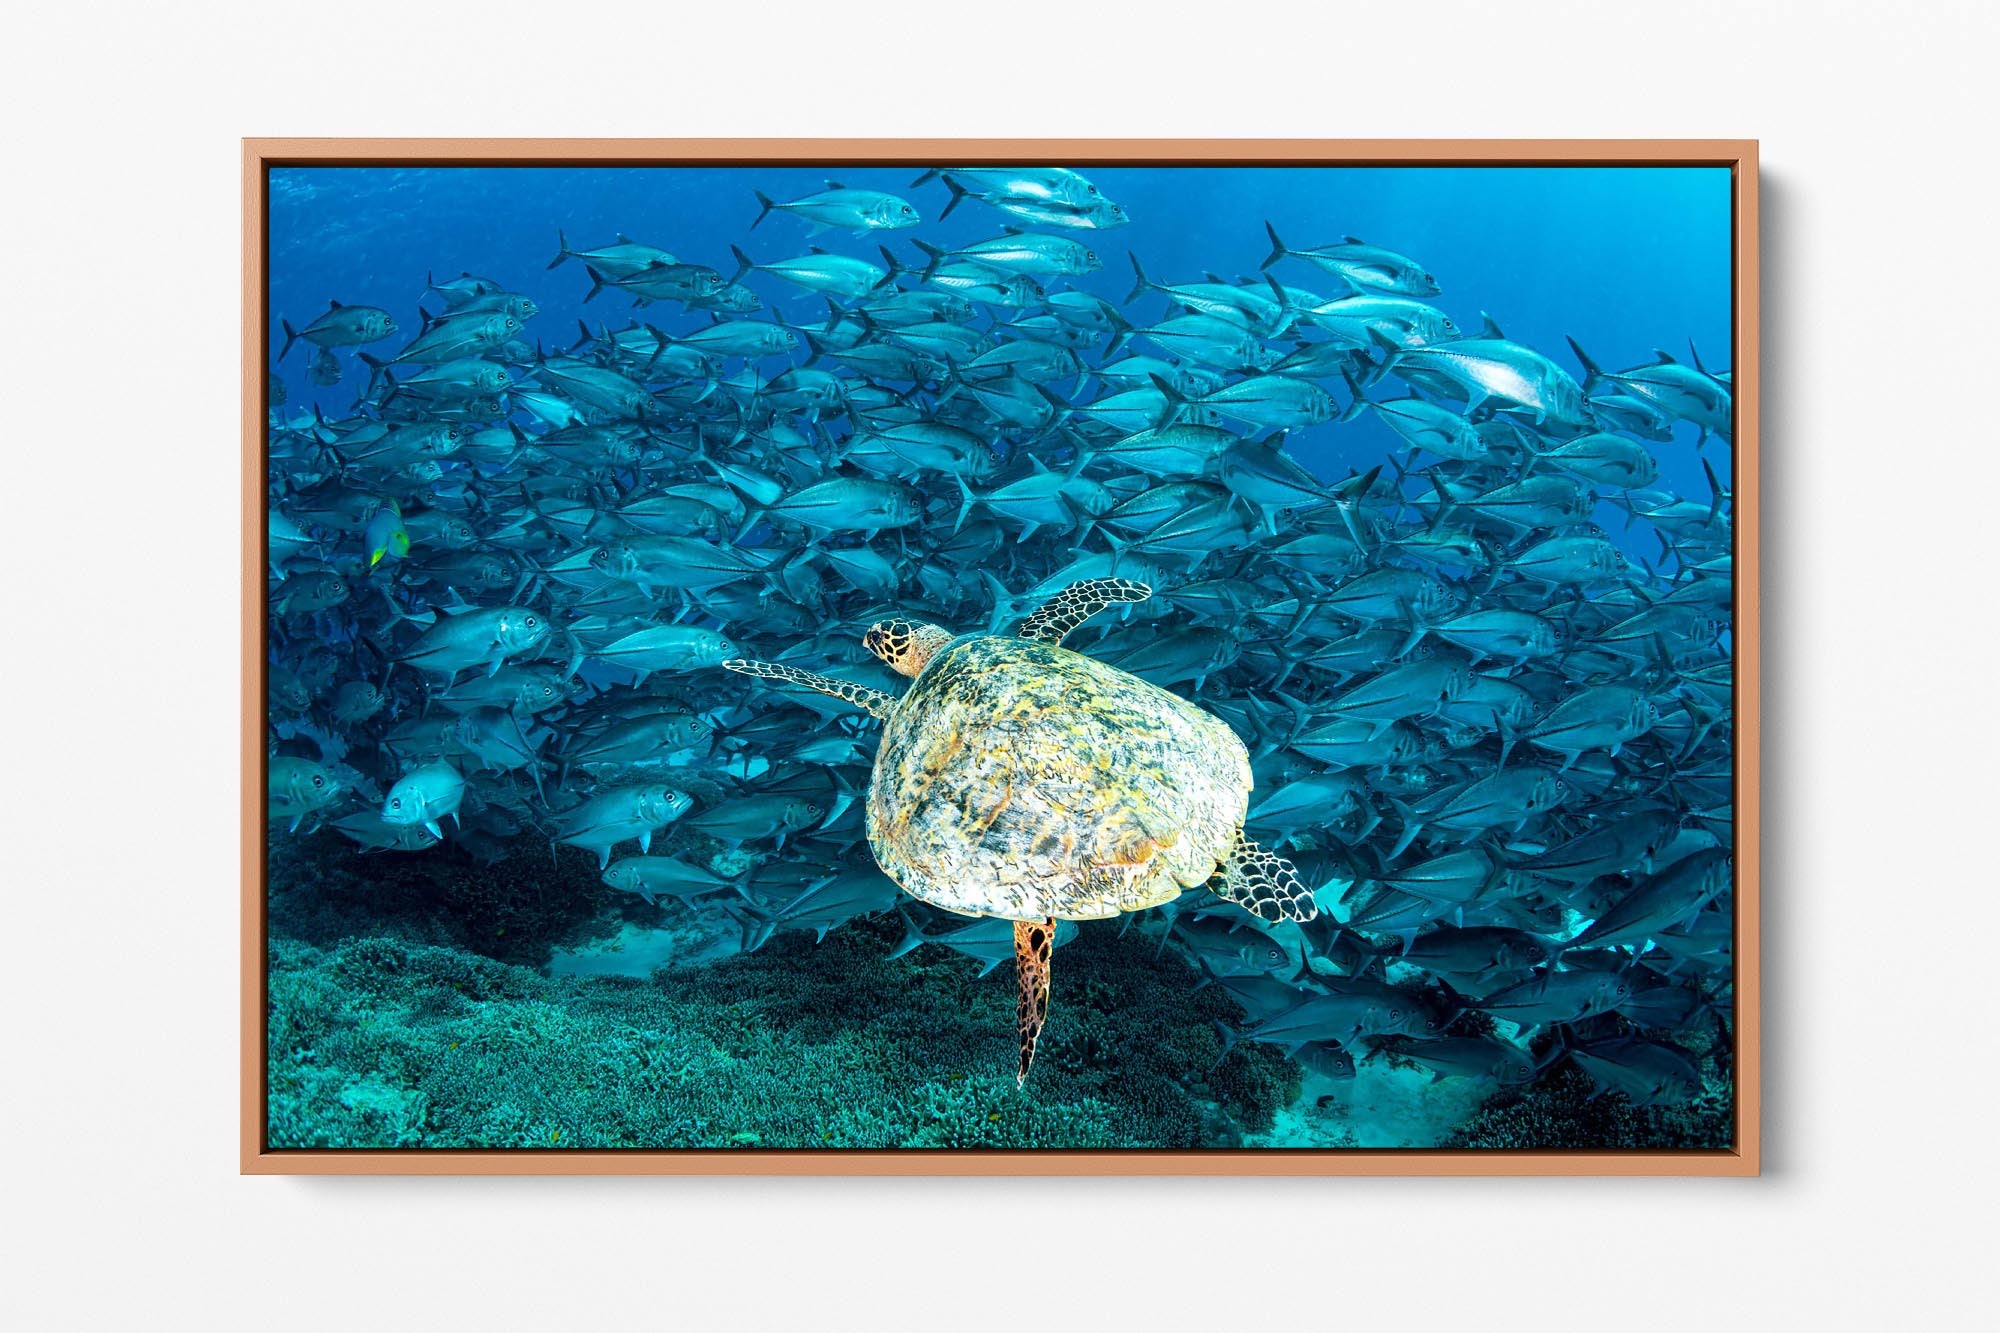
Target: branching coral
pixel 390 1041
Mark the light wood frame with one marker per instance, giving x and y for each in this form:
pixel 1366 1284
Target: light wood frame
pixel 1739 156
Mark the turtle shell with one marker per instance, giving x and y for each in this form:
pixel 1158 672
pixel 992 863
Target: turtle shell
pixel 1018 779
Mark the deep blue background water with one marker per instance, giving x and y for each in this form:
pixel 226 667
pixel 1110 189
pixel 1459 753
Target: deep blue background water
pixel 1624 259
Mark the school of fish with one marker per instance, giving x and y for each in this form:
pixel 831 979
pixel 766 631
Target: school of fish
pixel 1486 685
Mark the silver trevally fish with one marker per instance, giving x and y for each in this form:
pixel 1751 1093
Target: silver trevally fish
pixel 342 326
pixel 839 208
pixel 1361 264
pixel 1492 373
pixel 622 814
pixel 424 796
pixel 476 637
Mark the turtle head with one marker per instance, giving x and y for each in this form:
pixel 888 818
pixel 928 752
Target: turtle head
pixel 906 645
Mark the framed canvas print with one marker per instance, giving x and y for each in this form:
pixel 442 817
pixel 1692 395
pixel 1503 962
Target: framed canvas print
pixel 988 657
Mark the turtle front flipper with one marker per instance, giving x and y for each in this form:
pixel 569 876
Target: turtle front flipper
pixel 1264 884
pixel 1078 603
pixel 1034 947
pixel 874 702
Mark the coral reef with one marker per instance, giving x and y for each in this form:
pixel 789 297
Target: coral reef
pixel 402 1041
pixel 1558 1112
pixel 407 1008
pixel 324 888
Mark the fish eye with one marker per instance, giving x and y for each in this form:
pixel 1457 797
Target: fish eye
pixel 395 803
pixel 1395 1015
pixel 531 622
pixel 319 782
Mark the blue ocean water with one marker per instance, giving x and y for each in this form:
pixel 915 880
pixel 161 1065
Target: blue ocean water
pixel 480 984
pixel 1623 259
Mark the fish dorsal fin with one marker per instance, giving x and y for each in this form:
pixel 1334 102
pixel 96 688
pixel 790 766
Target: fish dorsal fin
pixel 1665 358
pixel 1492 330
pixel 333 305
pixel 835 185
pixel 817 249
pixel 1352 240
pixel 1038 465
pixel 1217 279
pixel 623 239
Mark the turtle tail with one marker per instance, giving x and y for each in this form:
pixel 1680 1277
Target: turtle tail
pixel 1034 946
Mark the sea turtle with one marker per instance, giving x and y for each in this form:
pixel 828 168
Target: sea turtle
pixel 1021 780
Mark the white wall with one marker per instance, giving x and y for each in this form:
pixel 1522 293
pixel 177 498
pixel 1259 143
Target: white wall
pixel 118 433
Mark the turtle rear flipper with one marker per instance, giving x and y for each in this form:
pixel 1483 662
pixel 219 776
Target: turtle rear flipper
pixel 874 702
pixel 1034 947
pixel 1264 884
pixel 1078 603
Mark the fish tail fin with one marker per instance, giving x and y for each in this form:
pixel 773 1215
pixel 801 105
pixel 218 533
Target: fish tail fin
pixel 892 272
pixel 291 336
pixel 930 174
pixel 966 500
pixel 1175 400
pixel 743 265
pixel 912 937
pixel 1003 601
pixel 758 925
pixel 1413 824
pixel 1593 374
pixel 1141 284
pixel 562 248
pixel 598 282
pixel 1360 397
pixel 377 369
pixel 1278 250
pixel 958 195
pixel 1121 330
pixel 932 256
pixel 1283 297
pixel 1391 350
pixel 661 341
pixel 1230 1036
pixel 764 206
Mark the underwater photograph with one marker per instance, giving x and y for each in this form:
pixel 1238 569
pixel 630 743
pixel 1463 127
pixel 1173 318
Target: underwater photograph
pixel 1047 657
